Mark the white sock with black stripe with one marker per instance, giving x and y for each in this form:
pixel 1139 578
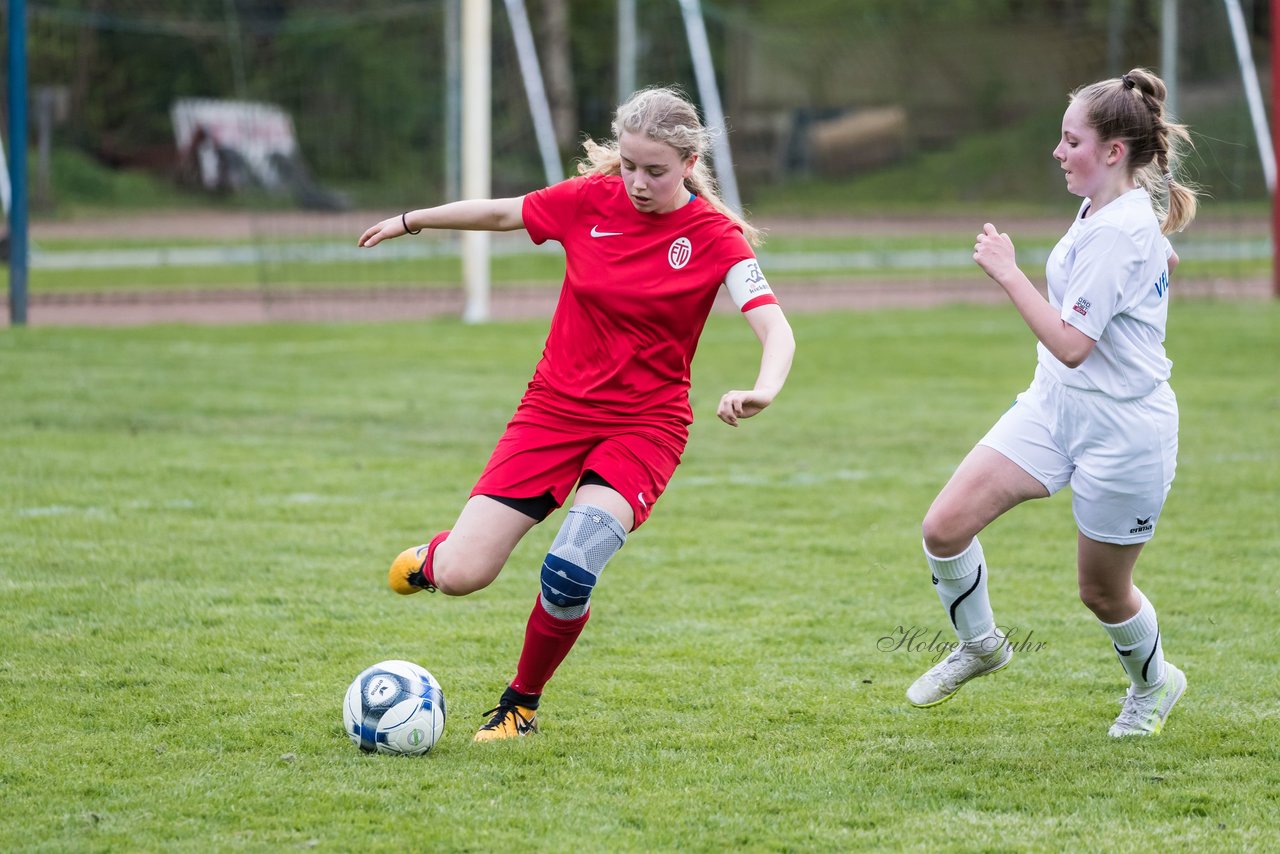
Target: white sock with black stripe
pixel 961 582
pixel 1137 643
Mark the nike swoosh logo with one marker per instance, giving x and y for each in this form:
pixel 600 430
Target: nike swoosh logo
pixel 596 232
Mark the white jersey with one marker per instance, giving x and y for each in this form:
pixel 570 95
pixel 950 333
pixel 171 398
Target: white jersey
pixel 1109 277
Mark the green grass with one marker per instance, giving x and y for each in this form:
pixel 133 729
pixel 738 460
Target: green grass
pixel 547 268
pixel 411 273
pixel 195 525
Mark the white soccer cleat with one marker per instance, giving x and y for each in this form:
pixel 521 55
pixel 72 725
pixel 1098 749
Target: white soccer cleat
pixel 1145 714
pixel 943 680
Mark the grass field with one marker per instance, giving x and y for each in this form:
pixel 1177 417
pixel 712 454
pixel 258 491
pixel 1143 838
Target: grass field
pixel 195 525
pixel 103 265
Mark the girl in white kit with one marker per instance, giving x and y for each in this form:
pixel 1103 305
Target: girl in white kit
pixel 1099 414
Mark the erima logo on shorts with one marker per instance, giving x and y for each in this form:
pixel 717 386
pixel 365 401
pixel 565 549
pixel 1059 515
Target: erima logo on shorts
pixel 1142 527
pixel 1082 306
pixel 680 252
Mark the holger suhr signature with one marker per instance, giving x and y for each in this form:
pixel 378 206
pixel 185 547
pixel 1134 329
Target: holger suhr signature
pixel 920 639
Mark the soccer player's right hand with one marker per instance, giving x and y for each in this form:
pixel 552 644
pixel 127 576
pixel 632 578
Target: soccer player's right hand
pixel 735 405
pixel 993 251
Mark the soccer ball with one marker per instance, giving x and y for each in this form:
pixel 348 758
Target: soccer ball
pixel 394 707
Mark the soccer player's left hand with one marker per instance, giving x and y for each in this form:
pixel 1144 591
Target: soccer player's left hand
pixel 741 404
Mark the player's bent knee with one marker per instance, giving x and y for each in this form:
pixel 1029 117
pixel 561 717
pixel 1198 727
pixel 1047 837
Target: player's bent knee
pixel 1102 601
pixel 589 537
pixel 458 573
pixel 943 536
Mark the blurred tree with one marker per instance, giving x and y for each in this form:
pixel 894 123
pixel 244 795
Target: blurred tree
pixel 364 82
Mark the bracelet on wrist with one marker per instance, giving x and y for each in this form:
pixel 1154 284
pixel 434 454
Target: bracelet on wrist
pixel 405 223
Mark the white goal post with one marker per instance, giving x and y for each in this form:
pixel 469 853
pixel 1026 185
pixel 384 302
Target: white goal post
pixel 477 142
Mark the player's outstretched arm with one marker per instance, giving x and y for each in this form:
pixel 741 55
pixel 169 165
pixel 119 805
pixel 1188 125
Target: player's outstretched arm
pixel 779 346
pixel 466 215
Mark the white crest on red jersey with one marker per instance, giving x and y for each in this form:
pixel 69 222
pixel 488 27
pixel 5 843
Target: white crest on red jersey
pixel 680 252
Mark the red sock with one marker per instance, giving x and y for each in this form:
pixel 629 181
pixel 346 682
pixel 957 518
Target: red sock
pixel 546 642
pixel 428 571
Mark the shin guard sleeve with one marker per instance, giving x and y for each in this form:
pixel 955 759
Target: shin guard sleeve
pixel 589 536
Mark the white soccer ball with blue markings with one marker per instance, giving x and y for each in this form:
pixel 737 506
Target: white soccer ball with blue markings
pixel 394 707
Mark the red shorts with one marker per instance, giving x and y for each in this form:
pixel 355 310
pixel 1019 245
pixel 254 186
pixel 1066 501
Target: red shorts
pixel 542 454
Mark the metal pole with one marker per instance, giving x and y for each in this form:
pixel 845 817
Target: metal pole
pixel 1275 131
pixel 1169 54
pixel 626 49
pixel 531 72
pixel 452 100
pixel 705 72
pixel 1253 93
pixel 18 162
pixel 476 144
pixel 4 182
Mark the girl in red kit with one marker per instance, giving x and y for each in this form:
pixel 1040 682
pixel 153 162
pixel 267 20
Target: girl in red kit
pixel 648 244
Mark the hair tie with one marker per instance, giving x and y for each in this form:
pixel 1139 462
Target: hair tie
pixel 1168 177
pixel 405 223
pixel 1129 82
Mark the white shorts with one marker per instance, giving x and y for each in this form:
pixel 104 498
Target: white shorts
pixel 1118 455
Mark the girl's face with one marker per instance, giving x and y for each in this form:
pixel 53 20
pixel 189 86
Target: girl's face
pixel 653 173
pixel 1085 158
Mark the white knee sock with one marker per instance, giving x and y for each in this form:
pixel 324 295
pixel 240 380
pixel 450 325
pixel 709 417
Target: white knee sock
pixel 962 587
pixel 1137 642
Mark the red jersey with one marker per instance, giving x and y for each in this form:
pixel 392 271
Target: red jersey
pixel 637 291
